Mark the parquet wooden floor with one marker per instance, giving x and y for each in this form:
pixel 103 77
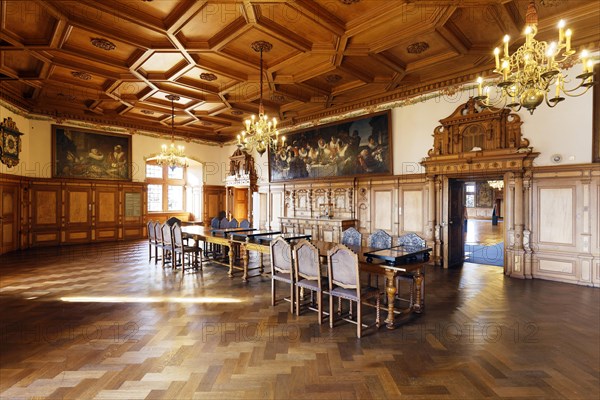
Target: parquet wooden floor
pixel 100 322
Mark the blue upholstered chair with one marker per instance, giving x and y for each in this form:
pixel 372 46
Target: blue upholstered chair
pixel 233 223
pixel 351 237
pixel 410 240
pixel 245 223
pixel 379 239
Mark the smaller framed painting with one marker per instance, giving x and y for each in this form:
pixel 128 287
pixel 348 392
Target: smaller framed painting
pixel 85 154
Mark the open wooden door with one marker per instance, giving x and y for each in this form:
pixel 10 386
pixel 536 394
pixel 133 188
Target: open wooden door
pixel 456 237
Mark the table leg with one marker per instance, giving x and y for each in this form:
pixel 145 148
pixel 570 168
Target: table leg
pixel 391 294
pixel 231 261
pixel 245 256
pixel 419 280
pixel 261 265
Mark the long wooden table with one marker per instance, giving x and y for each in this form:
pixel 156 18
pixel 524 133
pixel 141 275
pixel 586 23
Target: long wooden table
pixel 390 262
pixel 260 241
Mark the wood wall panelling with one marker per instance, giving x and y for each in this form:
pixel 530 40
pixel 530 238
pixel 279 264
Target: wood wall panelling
pixel 382 210
pixel 9 217
pixel 557 216
pixel 412 211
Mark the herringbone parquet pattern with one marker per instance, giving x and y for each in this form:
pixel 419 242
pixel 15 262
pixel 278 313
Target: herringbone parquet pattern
pixel 142 332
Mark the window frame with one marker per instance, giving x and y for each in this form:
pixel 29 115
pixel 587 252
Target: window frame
pixel 165 181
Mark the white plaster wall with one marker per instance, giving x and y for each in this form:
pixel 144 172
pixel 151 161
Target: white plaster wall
pixel 36 151
pixel 565 129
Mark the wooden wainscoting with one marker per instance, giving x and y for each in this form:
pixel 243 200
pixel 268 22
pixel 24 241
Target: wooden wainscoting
pixel 45 212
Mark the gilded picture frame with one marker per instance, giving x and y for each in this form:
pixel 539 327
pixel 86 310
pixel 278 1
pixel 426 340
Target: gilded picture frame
pixel 352 147
pixel 86 154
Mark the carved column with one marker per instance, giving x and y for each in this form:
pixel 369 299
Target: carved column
pixel 527 220
pixel 438 217
pixel 250 207
pixel 429 231
pixel 517 256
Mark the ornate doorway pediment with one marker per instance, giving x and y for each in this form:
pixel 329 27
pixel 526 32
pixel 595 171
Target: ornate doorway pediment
pixel 476 141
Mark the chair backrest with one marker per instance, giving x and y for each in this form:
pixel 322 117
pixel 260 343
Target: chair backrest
pixel 306 261
pixel 151 231
pixel 245 223
pixel 233 223
pixel 281 255
pixel 214 223
pixel 380 240
pixel 177 236
pixel 173 220
pixel 224 223
pixel 410 239
pixel 351 237
pixel 342 266
pixel 166 234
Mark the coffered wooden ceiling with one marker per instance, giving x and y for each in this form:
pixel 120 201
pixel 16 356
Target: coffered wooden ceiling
pixel 114 61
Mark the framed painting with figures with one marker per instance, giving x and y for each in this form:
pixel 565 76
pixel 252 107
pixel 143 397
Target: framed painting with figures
pixel 85 154
pixel 359 146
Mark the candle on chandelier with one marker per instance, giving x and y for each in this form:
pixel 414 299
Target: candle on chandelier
pixel 528 32
pixel 557 94
pixel 239 139
pixel 479 86
pixel 497 58
pixel 590 66
pixel 561 31
pixel 505 67
pixel 568 34
pixel 584 56
pixel 506 39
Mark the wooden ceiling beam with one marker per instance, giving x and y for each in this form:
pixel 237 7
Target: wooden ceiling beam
pixel 358 74
pixel 320 15
pixel 127 13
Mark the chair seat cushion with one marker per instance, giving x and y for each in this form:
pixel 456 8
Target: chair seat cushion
pixel 350 294
pixel 284 277
pixel 309 284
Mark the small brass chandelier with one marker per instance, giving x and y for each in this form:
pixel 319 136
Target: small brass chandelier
pixel 261 133
pixel 172 156
pixel 528 74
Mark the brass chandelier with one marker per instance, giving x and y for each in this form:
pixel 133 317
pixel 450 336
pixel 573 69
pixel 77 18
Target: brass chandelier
pixel 260 133
pixel 527 75
pixel 172 156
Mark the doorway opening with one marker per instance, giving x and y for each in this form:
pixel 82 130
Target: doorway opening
pixel 484 226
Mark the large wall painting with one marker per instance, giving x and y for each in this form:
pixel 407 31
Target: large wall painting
pixel 361 146
pixel 84 154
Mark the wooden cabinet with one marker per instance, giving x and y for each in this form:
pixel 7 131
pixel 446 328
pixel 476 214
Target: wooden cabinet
pixel 43 212
pixel 329 230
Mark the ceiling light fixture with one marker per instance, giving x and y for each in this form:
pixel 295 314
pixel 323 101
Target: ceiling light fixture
pixel 528 74
pixel 172 156
pixel 261 133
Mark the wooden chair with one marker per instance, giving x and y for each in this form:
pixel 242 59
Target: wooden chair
pixel 344 283
pixel 379 239
pixel 282 269
pixel 351 237
pixel 152 241
pixel 307 275
pixel 166 239
pixel 233 223
pixel 191 253
pixel 245 223
pixel 410 240
pixel 224 223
